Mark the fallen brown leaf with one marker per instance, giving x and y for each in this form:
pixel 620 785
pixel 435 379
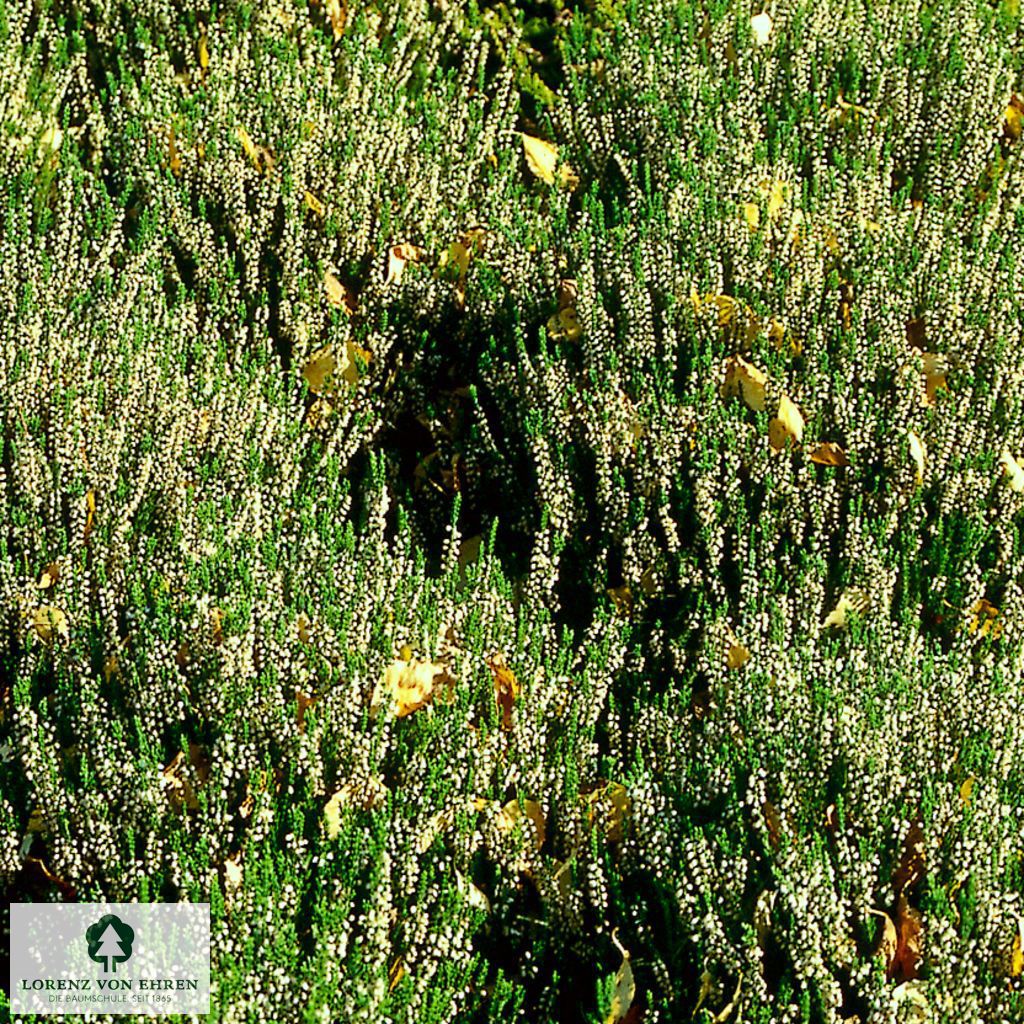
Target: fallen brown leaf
pixel 506 687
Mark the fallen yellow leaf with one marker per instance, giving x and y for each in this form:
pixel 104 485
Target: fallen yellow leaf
pixel 90 509
pixel 179 790
pixel 50 622
pixel 512 815
pixel 564 324
pixel 314 204
pixel 966 788
pixel 50 575
pixel 761 27
pixel 737 655
pixel 409 685
pixel 396 974
pixel 787 426
pixel 398 257
pixel 1012 122
pixel 337 11
pixel 1012 469
pixel 983 619
pixel 1017 951
pixel 776 191
pixel 611 802
pixel 173 157
pixel 917 455
pixel 459 254
pixel 934 375
pixel 625 987
pixel 473 895
pixel 204 51
pixel 851 601
pixel 622 598
pixel 888 941
pixel 506 687
pixel 742 378
pixel 332 814
pixel 828 453
pixel 542 159
pixel 324 368
pixel 258 156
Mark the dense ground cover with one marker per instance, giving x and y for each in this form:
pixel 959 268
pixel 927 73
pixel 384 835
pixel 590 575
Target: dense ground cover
pixel 517 506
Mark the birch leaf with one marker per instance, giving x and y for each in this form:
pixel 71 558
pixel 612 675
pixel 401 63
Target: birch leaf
pixel 542 159
pixel 258 156
pixel 776 198
pixel 1012 120
pixel 90 513
pixel 319 370
pixel 396 974
pixel 625 987
pixel 934 376
pixel 1012 470
pixel 408 685
pixel 506 687
pixel 736 655
pixel 564 324
pixel 791 418
pixel 179 790
pixel 173 156
pixel 917 455
pixel 50 575
pixel 332 811
pixel 851 601
pixel 611 805
pixel 512 814
pixel 775 192
pixel 314 204
pixel 337 11
pixel 966 788
pixel 983 619
pixel 204 51
pixel 888 941
pixel 51 139
pixel 324 368
pixel 474 896
pixel 787 426
pixel 50 622
pixel 828 453
pixel 398 257
pixel 910 992
pixel 742 378
pixel 353 355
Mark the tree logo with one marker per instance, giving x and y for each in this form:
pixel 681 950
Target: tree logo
pixel 110 942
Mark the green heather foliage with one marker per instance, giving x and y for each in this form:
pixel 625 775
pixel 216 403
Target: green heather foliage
pixel 227 546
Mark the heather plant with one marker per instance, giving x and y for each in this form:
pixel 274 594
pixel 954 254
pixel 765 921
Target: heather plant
pixel 517 506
